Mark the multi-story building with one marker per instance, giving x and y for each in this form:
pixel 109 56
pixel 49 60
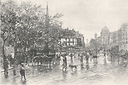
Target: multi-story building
pixel 77 40
pixel 71 38
pixel 99 40
pixel 123 37
pixel 113 39
pixel 118 38
pixel 105 37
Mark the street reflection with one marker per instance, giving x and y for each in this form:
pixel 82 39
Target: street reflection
pixel 95 64
pixel 14 81
pixel 64 75
pixel 24 82
pixel 82 66
pixel 87 66
pixel 105 62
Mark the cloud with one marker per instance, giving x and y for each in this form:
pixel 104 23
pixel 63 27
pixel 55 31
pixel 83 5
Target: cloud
pixel 89 16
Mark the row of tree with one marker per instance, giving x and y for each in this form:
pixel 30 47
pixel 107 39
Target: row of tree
pixel 24 25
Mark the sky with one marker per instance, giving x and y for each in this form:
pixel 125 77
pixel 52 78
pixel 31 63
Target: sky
pixel 88 16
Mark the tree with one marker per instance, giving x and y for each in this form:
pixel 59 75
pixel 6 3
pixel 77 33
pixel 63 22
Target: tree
pixel 26 24
pixel 8 21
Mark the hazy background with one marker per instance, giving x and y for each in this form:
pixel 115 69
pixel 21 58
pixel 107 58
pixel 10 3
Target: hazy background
pixel 88 16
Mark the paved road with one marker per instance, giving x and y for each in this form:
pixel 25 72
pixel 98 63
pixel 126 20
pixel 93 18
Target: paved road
pixel 98 74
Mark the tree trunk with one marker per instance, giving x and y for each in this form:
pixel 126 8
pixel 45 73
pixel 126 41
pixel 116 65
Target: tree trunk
pixel 3 50
pixel 15 59
pixel 5 63
pixel 25 55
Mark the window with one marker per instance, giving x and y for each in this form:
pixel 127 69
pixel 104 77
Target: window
pixel 67 39
pixel 71 44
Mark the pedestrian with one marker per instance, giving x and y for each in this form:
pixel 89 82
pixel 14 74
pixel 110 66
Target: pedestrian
pixel 14 70
pixel 81 58
pixel 22 71
pixel 64 63
pixel 6 68
pixel 87 57
pixel 71 58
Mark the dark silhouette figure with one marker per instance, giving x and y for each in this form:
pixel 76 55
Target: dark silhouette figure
pixel 64 63
pixel 82 66
pixel 22 72
pixel 87 57
pixel 87 66
pixel 6 68
pixel 14 70
pixel 71 58
pixel 81 58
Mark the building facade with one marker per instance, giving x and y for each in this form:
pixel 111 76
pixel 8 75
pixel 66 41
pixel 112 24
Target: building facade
pixel 76 41
pixel 105 36
pixel 123 37
pixel 119 38
pixel 113 39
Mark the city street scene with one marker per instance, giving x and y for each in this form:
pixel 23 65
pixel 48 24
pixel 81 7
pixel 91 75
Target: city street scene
pixel 63 42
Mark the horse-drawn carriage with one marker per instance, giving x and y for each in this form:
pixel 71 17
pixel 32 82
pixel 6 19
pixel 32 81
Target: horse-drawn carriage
pixel 44 57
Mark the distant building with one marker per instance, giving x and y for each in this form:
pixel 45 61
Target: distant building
pixel 105 37
pixel 77 40
pixel 123 37
pixel 81 37
pixel 113 41
pixel 118 38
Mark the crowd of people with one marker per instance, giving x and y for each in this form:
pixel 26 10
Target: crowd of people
pixel 81 57
pixel 57 59
pixel 67 61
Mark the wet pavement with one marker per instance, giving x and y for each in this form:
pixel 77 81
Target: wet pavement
pixel 100 73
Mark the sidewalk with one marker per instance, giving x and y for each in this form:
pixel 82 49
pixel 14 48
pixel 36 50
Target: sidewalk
pixel 32 73
pixel 29 71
